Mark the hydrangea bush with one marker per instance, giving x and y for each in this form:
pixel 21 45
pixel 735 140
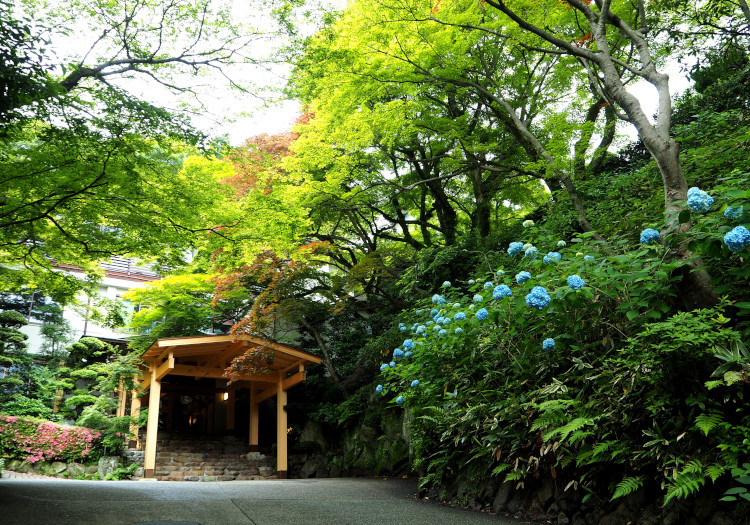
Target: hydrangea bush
pixel 577 369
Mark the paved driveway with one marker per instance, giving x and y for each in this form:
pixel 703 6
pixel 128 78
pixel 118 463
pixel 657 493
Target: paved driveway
pixel 34 501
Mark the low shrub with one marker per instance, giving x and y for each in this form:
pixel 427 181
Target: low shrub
pixel 35 440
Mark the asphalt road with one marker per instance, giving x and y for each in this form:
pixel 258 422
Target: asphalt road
pixel 358 501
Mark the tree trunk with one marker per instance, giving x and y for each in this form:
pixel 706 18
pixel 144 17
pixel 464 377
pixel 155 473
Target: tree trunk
pixel 694 285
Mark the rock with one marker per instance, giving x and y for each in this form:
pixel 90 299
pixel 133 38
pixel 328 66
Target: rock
pixel 620 516
pixel 58 467
pixel 266 471
pixel 335 471
pixel 546 492
pixel 721 518
pixel 705 504
pixel 310 467
pixel 13 464
pixel 516 502
pixel 501 499
pixel 487 490
pixel 25 467
pixel 562 519
pixel 92 470
pixel 76 470
pixel 107 465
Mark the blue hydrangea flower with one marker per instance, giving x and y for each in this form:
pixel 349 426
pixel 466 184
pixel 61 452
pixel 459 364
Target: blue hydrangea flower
pixel 438 299
pixel 548 344
pixel 379 389
pixel 482 314
pixel 698 200
pixel 538 298
pixel 531 252
pixel 472 281
pixel 398 354
pixel 528 223
pixel 459 330
pixel 428 323
pixel 418 312
pixel 408 344
pixel 383 366
pixel 407 355
pixel 552 257
pixel 478 298
pixel 515 248
pixel 500 273
pixel 401 325
pixel 522 277
pixel 403 329
pixel 575 282
pixel 456 305
pixel 392 364
pixel 561 244
pixel 415 383
pixel 400 400
pixel 433 312
pixel 649 236
pixel 737 239
pixel 588 258
pixel 487 285
pixel 460 316
pixel 500 291
pixel 436 328
pixel 442 333
pixel 445 320
pixel 446 284
pixel 733 213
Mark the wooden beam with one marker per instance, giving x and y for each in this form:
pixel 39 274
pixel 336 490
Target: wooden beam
pixel 262 395
pixel 230 408
pixel 122 399
pixel 289 382
pixel 135 412
pixel 152 427
pixel 282 455
pixel 196 340
pixel 165 353
pixel 254 419
pixel 166 367
pixel 281 348
pixel 234 349
pixel 296 364
pixel 218 373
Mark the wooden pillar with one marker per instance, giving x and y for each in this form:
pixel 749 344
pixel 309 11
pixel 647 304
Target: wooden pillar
pixel 122 400
pixel 230 408
pixel 281 422
pixel 135 412
pixel 253 421
pixel 152 427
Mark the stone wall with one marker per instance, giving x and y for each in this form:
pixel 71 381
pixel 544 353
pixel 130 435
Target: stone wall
pixel 548 502
pixel 373 446
pixel 58 469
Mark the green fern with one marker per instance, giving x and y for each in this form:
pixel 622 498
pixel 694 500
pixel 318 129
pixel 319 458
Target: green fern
pixel 709 420
pixel 573 426
pixel 688 481
pixel 500 468
pixel 627 486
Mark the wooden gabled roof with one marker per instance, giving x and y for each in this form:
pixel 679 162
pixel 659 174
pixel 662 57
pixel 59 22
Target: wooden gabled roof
pixel 209 355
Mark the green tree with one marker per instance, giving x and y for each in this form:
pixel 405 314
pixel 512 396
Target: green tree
pixel 12 351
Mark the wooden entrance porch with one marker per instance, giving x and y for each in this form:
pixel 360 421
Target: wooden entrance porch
pixel 207 357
